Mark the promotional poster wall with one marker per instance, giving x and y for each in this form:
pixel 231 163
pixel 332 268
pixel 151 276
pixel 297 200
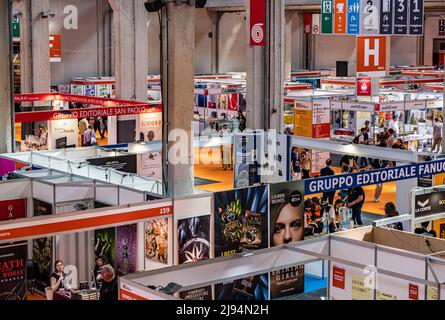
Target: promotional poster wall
pixel 286 225
pixel 125 163
pixel 13 272
pixel 59 129
pixel 194 245
pixel 126 249
pixel 105 244
pixel 42 249
pixel 156 240
pixel 150 127
pixel 246 167
pixel 241 223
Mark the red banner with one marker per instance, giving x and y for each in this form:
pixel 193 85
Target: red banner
pixel 85 113
pixel 257 23
pixel 67 97
pixel 364 87
pixel 307 17
pixel 12 209
pixel 338 277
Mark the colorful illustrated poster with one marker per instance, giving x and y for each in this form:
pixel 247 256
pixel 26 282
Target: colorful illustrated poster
pixel 156 240
pixel 194 246
pixel 150 165
pixel 240 220
pixel 105 244
pixel 12 209
pixel 250 288
pixel 286 225
pixel 13 272
pixel 126 249
pixel 42 249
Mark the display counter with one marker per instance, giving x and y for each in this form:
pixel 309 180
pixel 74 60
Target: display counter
pixel 91 294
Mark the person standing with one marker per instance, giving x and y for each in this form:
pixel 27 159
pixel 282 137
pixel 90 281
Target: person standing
pixel 226 148
pixel 391 138
pixel 437 135
pixel 377 164
pixel 306 164
pixel 241 121
pixel 295 168
pixel 394 124
pixel 83 126
pixel 325 172
pixel 103 127
pixel 356 199
pixel 109 288
pixel 391 211
pixel 89 137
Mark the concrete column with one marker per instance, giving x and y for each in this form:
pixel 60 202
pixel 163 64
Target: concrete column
pixel 41 70
pixel 276 63
pixel 289 14
pixel 178 23
pixel 215 16
pixel 5 78
pixel 24 7
pixel 130 63
pixel 388 55
pixel 255 80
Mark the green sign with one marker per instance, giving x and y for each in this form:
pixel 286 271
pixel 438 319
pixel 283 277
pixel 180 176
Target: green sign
pixel 327 7
pixel 16 27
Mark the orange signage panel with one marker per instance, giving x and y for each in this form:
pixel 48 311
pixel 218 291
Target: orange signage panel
pixel 371 56
pixel 340 8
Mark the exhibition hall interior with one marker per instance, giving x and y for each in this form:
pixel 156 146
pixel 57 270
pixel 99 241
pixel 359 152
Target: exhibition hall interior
pixel 249 150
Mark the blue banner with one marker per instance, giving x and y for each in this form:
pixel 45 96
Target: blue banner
pixel 369 177
pixel 353 16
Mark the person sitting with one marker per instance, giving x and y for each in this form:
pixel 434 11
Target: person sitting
pixel 335 220
pixel 58 277
pixel 423 230
pixel 391 211
pixel 100 261
pixel 109 288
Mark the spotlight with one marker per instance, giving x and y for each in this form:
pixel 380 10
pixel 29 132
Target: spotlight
pixel 154 5
pixel 200 3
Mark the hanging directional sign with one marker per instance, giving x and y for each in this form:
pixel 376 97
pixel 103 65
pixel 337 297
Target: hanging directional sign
pixel 441 27
pixel 353 16
pixel 401 16
pixel 370 17
pixel 340 16
pixel 326 16
pixel 386 13
pixel 416 17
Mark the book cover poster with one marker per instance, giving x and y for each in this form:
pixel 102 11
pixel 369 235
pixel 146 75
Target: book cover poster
pixel 240 220
pixel 42 257
pixel 204 293
pixel 105 244
pixel 250 288
pixel 12 209
pixel 286 225
pixel 126 249
pixel 13 272
pixel 42 208
pixel 193 239
pixel 156 240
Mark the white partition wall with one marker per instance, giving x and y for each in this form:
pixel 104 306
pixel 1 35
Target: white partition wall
pixel 107 193
pixel 43 191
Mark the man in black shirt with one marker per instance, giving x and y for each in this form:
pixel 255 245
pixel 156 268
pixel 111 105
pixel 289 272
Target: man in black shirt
pixel 325 172
pixel 356 199
pixel 109 288
pixel 349 161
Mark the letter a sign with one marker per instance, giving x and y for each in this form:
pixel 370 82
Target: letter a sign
pixel 371 56
pixel 257 23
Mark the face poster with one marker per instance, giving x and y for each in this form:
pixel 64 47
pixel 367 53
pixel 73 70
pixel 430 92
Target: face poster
pixel 105 244
pixel 13 272
pixel 286 225
pixel 149 127
pixel 193 239
pixel 126 249
pixel 250 288
pixel 240 220
pixel 156 240
pixel 12 209
pixel 42 257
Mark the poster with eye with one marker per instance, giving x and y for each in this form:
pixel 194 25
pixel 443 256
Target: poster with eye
pixel 240 220
pixel 286 225
pixel 126 249
pixel 90 90
pixel 105 244
pixel 13 272
pixel 251 288
pixel 194 246
pixel 156 240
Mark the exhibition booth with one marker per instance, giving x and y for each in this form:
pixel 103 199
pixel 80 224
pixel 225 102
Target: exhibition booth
pixel 368 263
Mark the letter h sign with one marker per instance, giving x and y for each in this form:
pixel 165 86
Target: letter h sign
pixel 371 56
